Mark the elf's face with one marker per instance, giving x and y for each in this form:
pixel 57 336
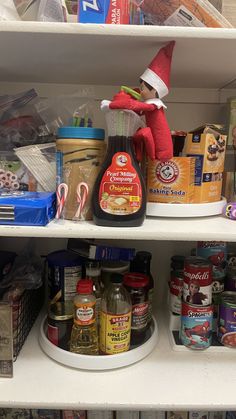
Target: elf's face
pixel 146 93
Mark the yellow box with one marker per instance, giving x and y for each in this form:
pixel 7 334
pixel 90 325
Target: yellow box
pixel 171 181
pixel 207 144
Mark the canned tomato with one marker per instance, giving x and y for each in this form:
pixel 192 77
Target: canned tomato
pixel 60 322
pixel 64 271
pixel 216 253
pixel 137 285
pixel 227 319
pixel 196 326
pixel 197 285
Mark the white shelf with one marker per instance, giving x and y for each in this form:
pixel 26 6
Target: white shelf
pixel 81 54
pixel 207 228
pixel 165 380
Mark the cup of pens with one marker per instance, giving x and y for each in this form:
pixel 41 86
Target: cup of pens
pixel 80 152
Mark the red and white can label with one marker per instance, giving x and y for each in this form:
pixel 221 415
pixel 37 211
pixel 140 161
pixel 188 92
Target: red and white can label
pixel 53 334
pixel 197 285
pixel 176 292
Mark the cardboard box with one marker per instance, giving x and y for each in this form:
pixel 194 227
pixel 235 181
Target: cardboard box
pixel 231 123
pixel 177 415
pixel 171 181
pixel 153 415
pixel 127 414
pixel 183 13
pixel 198 415
pixel 104 11
pixel 207 144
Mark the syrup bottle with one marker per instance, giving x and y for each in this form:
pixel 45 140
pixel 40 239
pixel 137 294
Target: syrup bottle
pixel 119 195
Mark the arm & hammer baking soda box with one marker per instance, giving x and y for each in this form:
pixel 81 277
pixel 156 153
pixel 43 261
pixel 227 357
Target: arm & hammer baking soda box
pixel 171 181
pixel 207 144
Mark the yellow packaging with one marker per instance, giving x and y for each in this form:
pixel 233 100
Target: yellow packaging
pixel 115 333
pixel 171 181
pixel 207 144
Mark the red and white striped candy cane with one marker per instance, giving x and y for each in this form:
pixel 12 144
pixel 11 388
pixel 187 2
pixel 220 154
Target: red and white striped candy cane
pixel 82 191
pixel 62 192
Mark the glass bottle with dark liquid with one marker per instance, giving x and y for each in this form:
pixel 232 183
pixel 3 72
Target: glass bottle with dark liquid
pixel 119 195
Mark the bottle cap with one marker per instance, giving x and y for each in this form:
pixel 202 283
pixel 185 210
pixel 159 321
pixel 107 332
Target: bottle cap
pixel 136 280
pixel 85 286
pixel 117 278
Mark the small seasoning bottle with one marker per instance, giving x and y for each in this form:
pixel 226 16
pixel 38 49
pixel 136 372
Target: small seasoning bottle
pixel 84 335
pixel 115 324
pixel 137 285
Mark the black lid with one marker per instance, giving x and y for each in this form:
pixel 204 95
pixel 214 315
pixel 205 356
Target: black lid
pixel 117 278
pixel 142 254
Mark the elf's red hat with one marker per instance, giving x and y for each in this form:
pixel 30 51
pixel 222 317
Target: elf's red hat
pixel 158 72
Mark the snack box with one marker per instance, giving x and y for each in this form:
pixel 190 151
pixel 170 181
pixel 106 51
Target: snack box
pixel 27 208
pixel 183 13
pixel 92 250
pixel 171 181
pixel 110 11
pixel 207 144
pixel 104 11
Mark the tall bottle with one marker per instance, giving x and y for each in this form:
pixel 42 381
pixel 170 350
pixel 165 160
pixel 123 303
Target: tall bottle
pixel 115 327
pixel 119 194
pixel 84 335
pixel 142 264
pixel 93 271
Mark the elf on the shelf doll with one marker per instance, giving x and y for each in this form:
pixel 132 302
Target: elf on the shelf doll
pixel 154 85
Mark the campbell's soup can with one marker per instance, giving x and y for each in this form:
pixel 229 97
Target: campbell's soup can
pixel 197 284
pixel 196 326
pixel 227 319
pixel 216 253
pixel 176 291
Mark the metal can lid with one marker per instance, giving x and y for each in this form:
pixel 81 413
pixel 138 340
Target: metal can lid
pixel 61 311
pixel 228 298
pixel 197 261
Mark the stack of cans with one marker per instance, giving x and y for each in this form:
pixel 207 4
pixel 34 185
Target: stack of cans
pixel 197 308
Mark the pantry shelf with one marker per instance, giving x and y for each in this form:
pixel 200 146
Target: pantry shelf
pixel 207 228
pixel 164 380
pixel 80 53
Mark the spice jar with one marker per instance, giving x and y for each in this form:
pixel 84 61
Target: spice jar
pixel 80 152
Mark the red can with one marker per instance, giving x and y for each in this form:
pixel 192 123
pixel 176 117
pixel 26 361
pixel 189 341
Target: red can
pixel 197 285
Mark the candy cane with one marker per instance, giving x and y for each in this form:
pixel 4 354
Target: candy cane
pixel 82 191
pixel 62 192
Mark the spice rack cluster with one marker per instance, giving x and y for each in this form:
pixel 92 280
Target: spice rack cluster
pixel 55 58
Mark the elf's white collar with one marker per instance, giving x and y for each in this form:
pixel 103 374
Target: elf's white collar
pixel 158 102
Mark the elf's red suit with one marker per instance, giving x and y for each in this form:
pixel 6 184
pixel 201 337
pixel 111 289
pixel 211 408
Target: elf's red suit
pixel 157 134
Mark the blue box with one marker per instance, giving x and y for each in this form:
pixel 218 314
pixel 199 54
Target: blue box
pixel 27 208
